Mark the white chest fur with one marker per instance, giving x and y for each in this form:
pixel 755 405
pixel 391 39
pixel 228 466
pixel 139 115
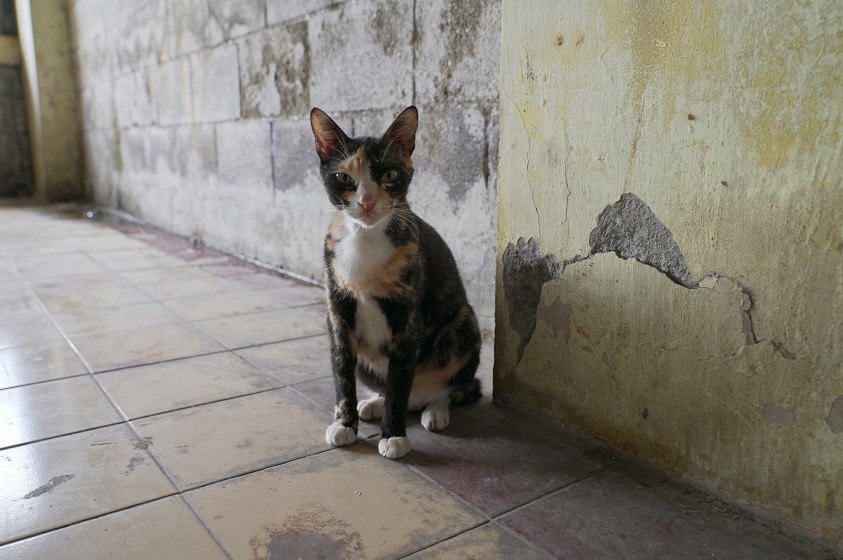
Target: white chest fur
pixel 372 332
pixel 359 252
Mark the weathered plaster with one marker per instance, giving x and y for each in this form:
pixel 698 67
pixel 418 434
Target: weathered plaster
pixel 689 183
pixel 196 116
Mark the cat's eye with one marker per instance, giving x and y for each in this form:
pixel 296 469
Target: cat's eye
pixel 343 178
pixel 389 176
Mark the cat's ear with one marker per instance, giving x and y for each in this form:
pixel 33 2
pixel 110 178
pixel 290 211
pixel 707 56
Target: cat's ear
pixel 329 136
pixel 402 132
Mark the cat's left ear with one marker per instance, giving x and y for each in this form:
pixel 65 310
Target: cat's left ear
pixel 402 132
pixel 329 136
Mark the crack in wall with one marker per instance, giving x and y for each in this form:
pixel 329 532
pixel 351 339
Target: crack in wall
pixel 630 229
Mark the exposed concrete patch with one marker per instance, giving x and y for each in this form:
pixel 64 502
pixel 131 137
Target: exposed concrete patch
pixel 630 229
pixel 835 416
pixel 525 271
pixel 775 414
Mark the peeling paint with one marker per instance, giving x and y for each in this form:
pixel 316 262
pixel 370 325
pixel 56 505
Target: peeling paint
pixel 630 229
pixel 835 416
pixel 775 414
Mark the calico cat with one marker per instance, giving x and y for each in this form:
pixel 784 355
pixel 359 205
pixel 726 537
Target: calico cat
pixel 398 317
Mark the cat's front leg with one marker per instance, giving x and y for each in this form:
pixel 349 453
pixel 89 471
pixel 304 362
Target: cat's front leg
pixel 343 430
pixel 395 443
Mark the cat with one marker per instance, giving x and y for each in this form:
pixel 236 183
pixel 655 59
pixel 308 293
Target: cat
pixel 399 321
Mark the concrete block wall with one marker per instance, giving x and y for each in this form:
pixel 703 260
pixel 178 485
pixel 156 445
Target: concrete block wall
pixel 196 116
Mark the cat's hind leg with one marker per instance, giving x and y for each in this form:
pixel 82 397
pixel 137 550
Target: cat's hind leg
pixel 436 415
pixel 371 409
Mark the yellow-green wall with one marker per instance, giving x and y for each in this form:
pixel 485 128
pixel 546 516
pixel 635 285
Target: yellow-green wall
pixel 55 126
pixel 724 121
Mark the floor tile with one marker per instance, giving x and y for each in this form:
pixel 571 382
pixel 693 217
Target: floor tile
pixel 53 483
pixel 270 326
pixel 34 331
pixel 321 391
pixel 163 529
pixel 215 441
pixel 346 503
pixel 34 363
pixel 13 285
pixel 110 319
pixel 156 388
pixel 88 292
pixel 497 470
pixel 136 259
pixel 44 410
pixel 292 361
pixel 112 350
pixel 615 516
pixel 488 542
pixel 19 309
pixel 223 304
pixel 62 265
pixel 189 286
pixel 156 275
pixel 260 280
pixel 297 295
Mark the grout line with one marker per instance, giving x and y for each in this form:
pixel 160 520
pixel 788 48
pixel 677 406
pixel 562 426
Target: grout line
pixel 121 215
pixel 87 519
pixel 541 497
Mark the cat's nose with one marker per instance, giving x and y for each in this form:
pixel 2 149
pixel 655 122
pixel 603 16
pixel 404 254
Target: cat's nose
pixel 367 205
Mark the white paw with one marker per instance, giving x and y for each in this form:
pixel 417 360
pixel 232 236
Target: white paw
pixel 338 435
pixel 435 418
pixel 394 447
pixel 371 409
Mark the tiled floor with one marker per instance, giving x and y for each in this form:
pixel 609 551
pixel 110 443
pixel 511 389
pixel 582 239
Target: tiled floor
pixel 163 401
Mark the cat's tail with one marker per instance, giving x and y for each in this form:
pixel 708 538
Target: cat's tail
pixel 466 393
pixel 464 387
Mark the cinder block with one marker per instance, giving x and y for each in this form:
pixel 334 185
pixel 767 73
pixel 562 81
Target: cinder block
pixel 100 161
pixel 132 100
pixel 98 105
pixel 229 19
pixel 274 69
pixel 278 11
pixel 184 22
pixel 243 149
pixel 457 50
pixel 95 60
pixel 215 82
pixel 195 151
pixel 361 56
pixel 294 153
pixel 170 88
pixel 133 159
pixel 137 40
pixel 451 143
pixel 161 157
